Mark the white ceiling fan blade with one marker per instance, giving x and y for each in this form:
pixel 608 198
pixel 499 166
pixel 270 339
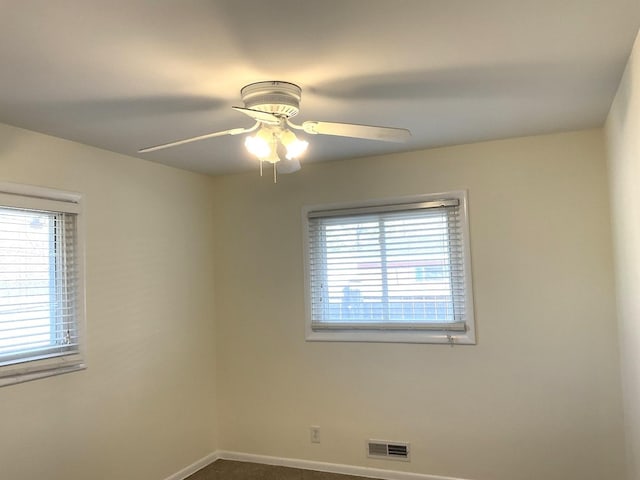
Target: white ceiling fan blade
pixel 387 134
pixel 288 166
pixel 233 131
pixel 264 117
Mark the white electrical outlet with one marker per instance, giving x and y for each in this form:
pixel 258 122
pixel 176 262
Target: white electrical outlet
pixel 315 434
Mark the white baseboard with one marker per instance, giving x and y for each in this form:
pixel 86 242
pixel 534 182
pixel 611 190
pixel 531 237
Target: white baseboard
pixel 194 467
pixel 326 467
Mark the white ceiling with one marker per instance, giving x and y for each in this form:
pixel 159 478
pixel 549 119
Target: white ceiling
pixel 125 74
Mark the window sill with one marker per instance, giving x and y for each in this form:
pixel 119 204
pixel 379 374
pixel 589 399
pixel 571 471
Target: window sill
pixel 13 378
pixel 381 336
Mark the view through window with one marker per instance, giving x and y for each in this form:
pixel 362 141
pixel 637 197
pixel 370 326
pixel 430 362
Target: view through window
pixel 41 283
pixel 390 267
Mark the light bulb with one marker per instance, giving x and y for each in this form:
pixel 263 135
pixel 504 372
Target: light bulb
pixel 297 148
pixel 257 146
pixel 294 147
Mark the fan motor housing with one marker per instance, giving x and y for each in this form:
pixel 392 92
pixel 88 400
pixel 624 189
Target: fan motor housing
pixel 279 98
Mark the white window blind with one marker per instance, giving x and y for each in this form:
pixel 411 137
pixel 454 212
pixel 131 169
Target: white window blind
pixel 41 294
pixel 389 268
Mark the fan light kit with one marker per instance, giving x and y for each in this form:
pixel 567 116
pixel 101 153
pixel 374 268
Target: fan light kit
pixel 271 105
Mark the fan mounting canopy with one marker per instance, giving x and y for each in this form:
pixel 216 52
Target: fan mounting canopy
pixel 279 98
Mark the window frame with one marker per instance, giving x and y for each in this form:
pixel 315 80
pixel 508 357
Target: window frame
pixel 36 198
pixel 379 333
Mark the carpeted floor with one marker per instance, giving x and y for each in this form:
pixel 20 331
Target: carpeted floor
pixel 231 470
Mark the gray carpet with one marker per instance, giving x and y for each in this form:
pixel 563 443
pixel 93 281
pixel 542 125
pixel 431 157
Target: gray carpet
pixel 231 470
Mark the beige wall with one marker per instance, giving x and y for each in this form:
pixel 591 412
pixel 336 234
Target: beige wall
pixel 144 408
pixel 623 135
pixel 537 398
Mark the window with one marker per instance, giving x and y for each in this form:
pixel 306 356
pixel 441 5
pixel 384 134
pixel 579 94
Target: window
pixel 390 272
pixel 41 283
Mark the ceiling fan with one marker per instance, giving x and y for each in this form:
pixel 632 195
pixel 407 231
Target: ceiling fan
pixel 272 104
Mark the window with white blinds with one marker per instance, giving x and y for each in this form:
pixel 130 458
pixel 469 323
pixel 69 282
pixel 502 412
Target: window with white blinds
pixel 390 272
pixel 41 284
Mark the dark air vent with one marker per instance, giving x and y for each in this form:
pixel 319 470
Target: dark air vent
pixel 398 451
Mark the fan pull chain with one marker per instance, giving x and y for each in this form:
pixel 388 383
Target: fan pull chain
pixel 275 171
